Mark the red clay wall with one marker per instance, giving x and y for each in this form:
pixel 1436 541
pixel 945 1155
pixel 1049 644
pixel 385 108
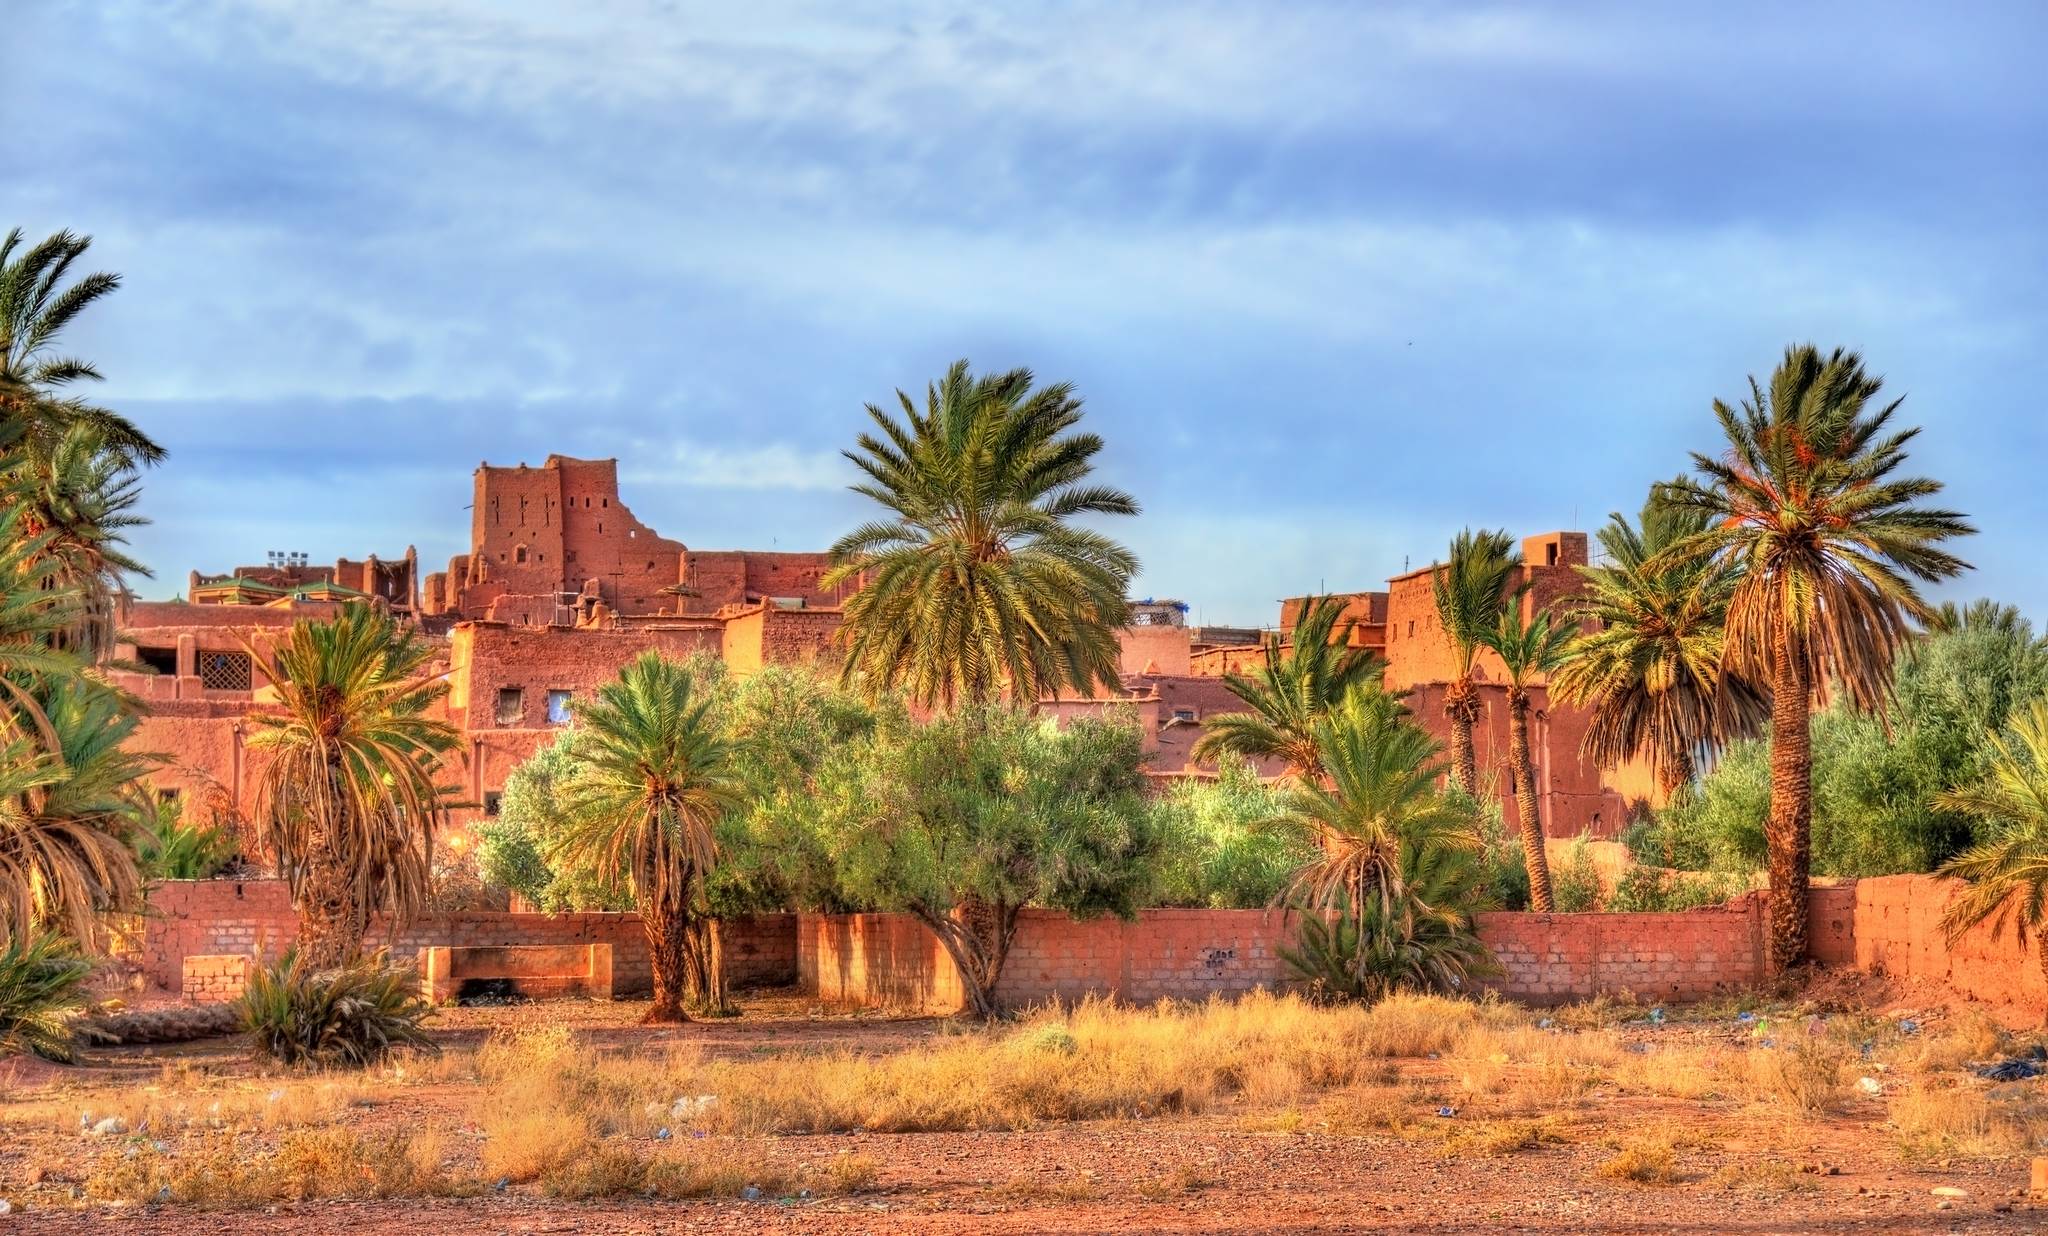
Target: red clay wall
pixel 889 959
pixel 1895 929
pixel 202 917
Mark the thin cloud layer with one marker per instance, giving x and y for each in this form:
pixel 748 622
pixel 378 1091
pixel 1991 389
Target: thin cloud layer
pixel 1333 281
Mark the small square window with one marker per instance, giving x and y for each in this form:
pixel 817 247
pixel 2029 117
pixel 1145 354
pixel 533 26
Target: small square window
pixel 511 706
pixel 558 708
pixel 491 801
pixel 158 660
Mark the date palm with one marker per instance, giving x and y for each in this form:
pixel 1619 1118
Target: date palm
pixel 39 298
pixel 2007 870
pixel 347 800
pixel 977 586
pixel 1294 688
pixel 655 779
pixel 1648 665
pixel 1378 796
pixel 1528 648
pixel 76 497
pixel 70 807
pixel 1471 592
pixel 1827 540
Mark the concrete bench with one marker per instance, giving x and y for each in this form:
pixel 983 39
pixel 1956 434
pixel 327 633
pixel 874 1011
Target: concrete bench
pixel 531 971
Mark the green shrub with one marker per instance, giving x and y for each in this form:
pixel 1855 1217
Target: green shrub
pixel 1575 882
pixel 1219 844
pixel 1643 889
pixel 349 1016
pixel 175 850
pixel 40 982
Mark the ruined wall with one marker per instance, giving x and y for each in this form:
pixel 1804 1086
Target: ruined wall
pixel 768 635
pixel 888 959
pixel 727 577
pixel 254 917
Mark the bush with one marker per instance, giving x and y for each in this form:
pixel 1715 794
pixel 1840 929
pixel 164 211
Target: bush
pixel 40 982
pixel 1575 882
pixel 1219 846
pixel 349 1016
pixel 1654 889
pixel 1874 778
pixel 175 850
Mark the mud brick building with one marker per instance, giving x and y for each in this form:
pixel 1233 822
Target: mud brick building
pixel 562 585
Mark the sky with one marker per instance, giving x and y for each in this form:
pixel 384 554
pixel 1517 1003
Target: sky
pixel 1334 280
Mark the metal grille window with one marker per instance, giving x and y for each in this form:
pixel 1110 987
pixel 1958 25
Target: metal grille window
pixel 225 671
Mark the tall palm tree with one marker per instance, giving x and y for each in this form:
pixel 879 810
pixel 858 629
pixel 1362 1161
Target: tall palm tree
pixel 1528 648
pixel 1389 836
pixel 655 780
pixel 2007 870
pixel 1805 505
pixel 71 805
pixel 1648 663
pixel 1294 688
pixel 1982 614
pixel 347 800
pixel 977 586
pixel 38 300
pixel 1471 592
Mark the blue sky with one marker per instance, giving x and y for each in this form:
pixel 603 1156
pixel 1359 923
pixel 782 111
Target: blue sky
pixel 1334 280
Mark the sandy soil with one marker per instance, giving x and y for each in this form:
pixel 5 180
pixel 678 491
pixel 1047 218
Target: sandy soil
pixel 1208 1174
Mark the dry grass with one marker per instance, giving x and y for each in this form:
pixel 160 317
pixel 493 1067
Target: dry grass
pixel 1961 1118
pixel 1771 1176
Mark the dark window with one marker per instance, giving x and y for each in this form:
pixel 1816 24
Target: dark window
pixel 558 708
pixel 1550 555
pixel 1183 714
pixel 491 801
pixel 158 660
pixel 170 796
pixel 520 553
pixel 225 671
pixel 511 705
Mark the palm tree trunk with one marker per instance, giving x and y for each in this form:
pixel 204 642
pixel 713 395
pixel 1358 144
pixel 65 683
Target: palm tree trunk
pixel 704 964
pixel 1789 831
pixel 1528 812
pixel 328 918
pixel 667 925
pixel 1674 774
pixel 1461 705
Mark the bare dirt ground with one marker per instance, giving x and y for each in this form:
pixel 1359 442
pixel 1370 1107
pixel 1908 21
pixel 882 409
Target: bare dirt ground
pixel 1275 1168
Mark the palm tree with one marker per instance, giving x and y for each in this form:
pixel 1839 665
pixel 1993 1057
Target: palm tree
pixel 1527 648
pixel 655 780
pixel 1471 593
pixel 1806 508
pixel 71 805
pixel 36 304
pixel 977 586
pixel 1648 663
pixel 1295 687
pixel 76 496
pixel 1982 614
pixel 1391 839
pixel 2007 870
pixel 347 800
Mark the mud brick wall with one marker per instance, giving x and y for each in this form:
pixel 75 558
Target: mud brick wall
pixel 891 960
pixel 1690 955
pixel 1896 930
pixel 193 918
pixel 213 979
pixel 879 960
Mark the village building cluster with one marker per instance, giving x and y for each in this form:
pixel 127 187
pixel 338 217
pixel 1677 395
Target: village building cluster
pixel 562 585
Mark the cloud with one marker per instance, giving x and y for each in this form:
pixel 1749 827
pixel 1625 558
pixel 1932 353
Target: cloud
pixel 774 466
